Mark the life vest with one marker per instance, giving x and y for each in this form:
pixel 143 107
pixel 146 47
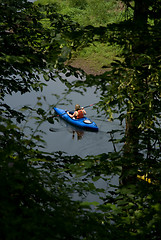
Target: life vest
pixel 80 114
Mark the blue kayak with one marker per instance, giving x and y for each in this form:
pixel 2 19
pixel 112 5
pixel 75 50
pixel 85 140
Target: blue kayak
pixel 84 123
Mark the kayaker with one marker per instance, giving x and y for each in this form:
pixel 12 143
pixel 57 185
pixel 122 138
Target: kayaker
pixel 78 113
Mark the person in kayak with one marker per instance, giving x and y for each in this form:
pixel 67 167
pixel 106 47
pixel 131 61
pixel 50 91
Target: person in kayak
pixel 78 113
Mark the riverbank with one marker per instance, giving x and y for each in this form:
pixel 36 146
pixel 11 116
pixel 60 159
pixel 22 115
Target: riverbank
pixel 87 65
pixel 95 58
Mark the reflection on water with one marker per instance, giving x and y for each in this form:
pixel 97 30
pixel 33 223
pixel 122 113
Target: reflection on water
pixel 67 138
pixel 78 133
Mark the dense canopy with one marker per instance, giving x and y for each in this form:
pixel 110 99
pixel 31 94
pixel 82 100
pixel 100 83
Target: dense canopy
pixel 37 187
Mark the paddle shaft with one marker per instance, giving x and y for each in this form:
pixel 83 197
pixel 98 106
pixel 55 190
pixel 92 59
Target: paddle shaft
pixel 89 105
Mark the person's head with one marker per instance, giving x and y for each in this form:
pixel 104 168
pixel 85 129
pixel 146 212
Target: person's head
pixel 77 107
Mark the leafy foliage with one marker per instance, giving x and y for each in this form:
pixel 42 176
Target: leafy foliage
pixel 88 12
pixel 92 13
pixel 133 85
pixel 43 195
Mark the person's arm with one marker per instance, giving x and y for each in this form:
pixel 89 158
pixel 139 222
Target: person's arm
pixel 84 111
pixel 72 115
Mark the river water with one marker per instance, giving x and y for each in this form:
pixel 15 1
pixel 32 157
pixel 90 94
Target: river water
pixel 61 136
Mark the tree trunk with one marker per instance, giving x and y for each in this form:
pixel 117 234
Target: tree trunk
pixel 141 12
pixel 131 153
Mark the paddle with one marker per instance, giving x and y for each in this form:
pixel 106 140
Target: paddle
pixel 89 105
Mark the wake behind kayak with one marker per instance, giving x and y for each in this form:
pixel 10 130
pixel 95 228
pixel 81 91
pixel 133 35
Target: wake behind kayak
pixel 83 123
